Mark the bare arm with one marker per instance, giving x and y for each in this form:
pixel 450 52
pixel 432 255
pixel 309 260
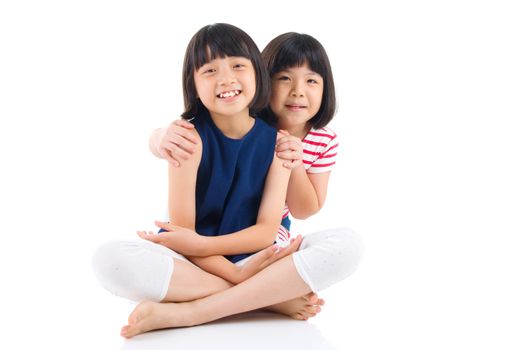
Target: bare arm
pixel 218 265
pixel 182 199
pixel 306 193
pixel 182 190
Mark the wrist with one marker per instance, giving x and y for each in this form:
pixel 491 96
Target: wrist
pixel 207 246
pixel 299 170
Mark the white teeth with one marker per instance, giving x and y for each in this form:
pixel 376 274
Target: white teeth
pixel 229 94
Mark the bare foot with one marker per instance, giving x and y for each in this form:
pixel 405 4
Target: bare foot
pixel 301 308
pixel 149 315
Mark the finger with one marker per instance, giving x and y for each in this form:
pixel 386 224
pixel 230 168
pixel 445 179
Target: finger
pixel 288 146
pixel 168 157
pixel 184 123
pixel 264 254
pixel 289 155
pixel 284 132
pixel 178 154
pixel 290 249
pixel 165 225
pixel 183 138
pixel 292 164
pixel 288 164
pixel 295 245
pixel 283 140
pixel 179 143
pixel 149 237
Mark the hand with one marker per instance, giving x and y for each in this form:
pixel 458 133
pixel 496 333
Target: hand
pixel 266 257
pixel 179 239
pixel 178 143
pixel 289 148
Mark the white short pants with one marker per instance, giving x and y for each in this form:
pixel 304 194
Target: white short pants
pixel 141 270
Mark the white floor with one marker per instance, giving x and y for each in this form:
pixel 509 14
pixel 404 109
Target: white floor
pixel 255 331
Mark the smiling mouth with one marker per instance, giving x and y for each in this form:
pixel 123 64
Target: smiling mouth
pixel 228 94
pixel 295 107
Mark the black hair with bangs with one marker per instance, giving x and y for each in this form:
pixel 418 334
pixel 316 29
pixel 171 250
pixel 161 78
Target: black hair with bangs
pixel 222 40
pixel 293 50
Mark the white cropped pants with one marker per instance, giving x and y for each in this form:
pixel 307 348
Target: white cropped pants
pixel 141 270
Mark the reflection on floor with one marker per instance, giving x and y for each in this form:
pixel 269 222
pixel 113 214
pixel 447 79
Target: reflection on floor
pixel 255 331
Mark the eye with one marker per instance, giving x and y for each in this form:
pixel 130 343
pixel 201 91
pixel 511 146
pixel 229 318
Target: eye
pixel 283 77
pixel 312 81
pixel 239 66
pixel 207 70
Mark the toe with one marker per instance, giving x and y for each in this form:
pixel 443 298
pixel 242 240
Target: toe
pixel 313 299
pixel 305 315
pixel 125 331
pixel 298 316
pixel 314 309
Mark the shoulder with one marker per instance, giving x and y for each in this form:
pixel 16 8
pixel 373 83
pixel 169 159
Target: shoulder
pixel 324 134
pixel 263 134
pixel 263 126
pixel 319 140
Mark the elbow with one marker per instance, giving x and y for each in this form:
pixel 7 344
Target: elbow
pixel 304 213
pixel 270 236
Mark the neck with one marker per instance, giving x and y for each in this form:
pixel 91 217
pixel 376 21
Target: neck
pixel 234 126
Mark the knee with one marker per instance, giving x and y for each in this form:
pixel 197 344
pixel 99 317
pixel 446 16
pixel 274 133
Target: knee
pixel 111 266
pixel 347 248
pixel 351 248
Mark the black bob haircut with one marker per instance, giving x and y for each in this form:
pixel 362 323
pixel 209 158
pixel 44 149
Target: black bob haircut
pixel 222 40
pixel 293 50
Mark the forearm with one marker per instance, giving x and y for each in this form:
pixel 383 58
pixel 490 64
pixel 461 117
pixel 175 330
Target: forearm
pixel 219 266
pixel 249 240
pixel 302 197
pixel 155 140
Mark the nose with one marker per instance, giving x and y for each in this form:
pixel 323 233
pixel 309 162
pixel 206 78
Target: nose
pixel 297 90
pixel 227 80
pixel 226 77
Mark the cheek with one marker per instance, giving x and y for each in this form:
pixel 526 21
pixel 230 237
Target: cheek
pixel 202 89
pixel 278 94
pixel 317 98
pixel 275 101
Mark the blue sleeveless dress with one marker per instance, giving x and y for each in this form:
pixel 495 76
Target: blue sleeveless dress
pixel 231 177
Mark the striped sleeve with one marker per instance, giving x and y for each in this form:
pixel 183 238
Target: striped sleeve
pixel 320 150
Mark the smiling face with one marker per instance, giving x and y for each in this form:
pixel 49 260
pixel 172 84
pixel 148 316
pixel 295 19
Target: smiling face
pixel 226 86
pixel 296 96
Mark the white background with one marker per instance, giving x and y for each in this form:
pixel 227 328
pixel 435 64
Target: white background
pixel 432 171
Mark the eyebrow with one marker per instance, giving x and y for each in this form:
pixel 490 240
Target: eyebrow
pixel 288 70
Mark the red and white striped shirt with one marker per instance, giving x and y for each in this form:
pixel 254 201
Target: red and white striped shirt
pixel 319 150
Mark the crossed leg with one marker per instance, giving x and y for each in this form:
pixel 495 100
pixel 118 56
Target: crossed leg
pixel 276 284
pixel 189 282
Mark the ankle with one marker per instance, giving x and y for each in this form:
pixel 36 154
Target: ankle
pixel 195 313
